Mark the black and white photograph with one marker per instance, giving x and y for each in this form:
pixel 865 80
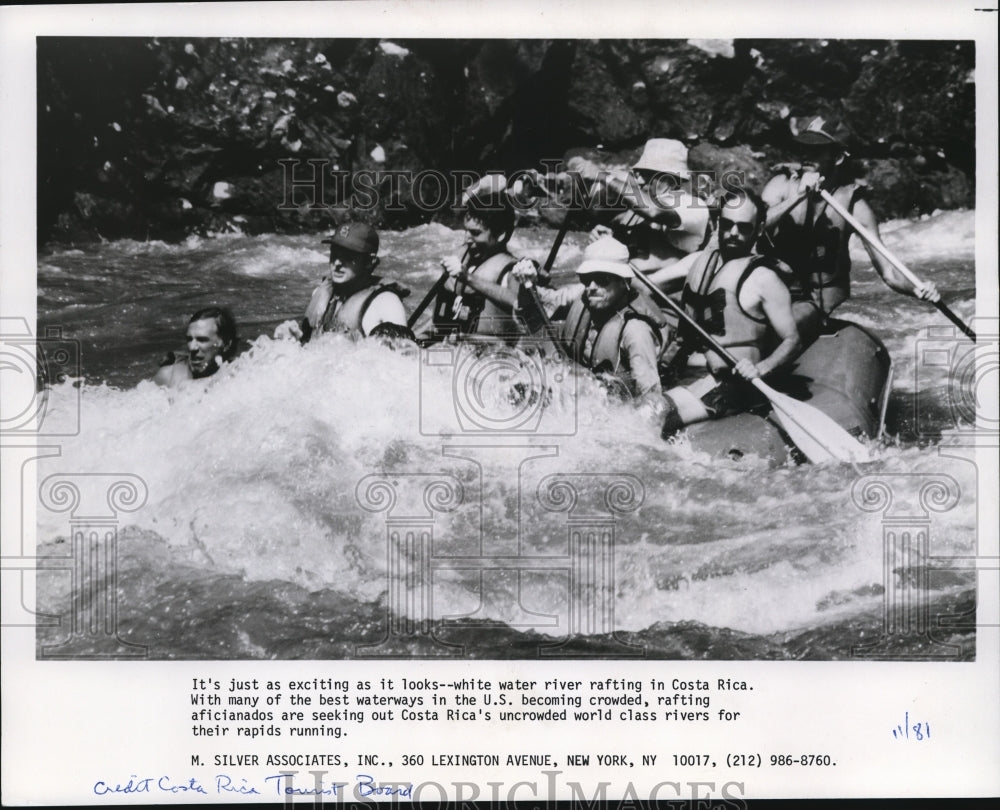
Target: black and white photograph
pixel 557 382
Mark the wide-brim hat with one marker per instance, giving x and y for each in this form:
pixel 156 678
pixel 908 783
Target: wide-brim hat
pixel 606 255
pixel 355 236
pixel 815 130
pixel 664 155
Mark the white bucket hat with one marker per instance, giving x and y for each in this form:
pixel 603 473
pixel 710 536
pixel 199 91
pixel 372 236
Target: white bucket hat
pixel 664 155
pixel 606 255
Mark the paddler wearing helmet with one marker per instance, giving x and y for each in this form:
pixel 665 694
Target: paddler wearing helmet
pixel 744 304
pixel 610 327
pixel 663 218
pixel 812 239
pixel 351 299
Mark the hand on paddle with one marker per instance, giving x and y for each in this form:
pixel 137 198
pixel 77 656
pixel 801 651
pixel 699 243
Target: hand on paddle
pixel 526 270
pixel 810 180
pixel 599 232
pixel 746 369
pixel 587 169
pixel 927 291
pixel 452 265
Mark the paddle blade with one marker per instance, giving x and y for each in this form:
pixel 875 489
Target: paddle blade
pixel 812 431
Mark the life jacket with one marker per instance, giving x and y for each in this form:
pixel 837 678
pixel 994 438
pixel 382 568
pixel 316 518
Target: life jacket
pixel 347 314
pixel 606 355
pixel 711 296
pixel 464 311
pixel 817 250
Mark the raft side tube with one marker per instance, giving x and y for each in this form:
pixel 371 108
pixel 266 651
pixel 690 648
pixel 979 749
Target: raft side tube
pixel 845 373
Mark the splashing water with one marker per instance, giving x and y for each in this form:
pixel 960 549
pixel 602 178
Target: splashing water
pixel 283 498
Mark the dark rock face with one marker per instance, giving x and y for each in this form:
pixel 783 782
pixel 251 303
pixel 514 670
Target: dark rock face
pixel 158 138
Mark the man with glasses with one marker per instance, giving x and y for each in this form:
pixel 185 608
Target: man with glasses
pixel 744 304
pixel 609 327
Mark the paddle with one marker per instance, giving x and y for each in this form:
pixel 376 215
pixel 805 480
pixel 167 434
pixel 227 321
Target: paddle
pixel 530 305
pixel 876 243
pixel 813 432
pixel 431 294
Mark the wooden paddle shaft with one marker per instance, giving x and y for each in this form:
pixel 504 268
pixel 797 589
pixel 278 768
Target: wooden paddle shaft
pixel 679 310
pixel 870 238
pixel 796 412
pixel 551 259
pixel 433 291
pixel 890 257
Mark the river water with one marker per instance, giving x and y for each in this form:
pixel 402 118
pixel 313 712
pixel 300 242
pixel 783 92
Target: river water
pixel 278 506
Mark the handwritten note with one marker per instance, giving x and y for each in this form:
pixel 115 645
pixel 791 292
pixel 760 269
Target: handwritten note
pixel 918 731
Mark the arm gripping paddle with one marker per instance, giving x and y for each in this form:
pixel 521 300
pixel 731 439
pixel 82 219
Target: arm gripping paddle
pixel 876 244
pixel 813 432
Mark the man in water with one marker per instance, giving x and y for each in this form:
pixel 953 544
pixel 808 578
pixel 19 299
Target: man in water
pixel 663 219
pixel 609 328
pixel 479 297
pixel 735 297
pixel 211 340
pixel 811 238
pixel 351 299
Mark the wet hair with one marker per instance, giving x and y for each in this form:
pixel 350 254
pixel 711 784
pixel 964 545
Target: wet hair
pixel 494 210
pixel 225 324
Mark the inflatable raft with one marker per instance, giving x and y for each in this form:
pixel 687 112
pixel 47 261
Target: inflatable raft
pixel 846 373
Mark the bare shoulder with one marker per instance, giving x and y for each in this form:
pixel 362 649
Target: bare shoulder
pixel 173 374
pixel 387 306
pixel 778 189
pixel 764 281
pixel 163 375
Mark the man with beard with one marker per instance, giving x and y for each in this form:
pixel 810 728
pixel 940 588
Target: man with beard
pixel 609 327
pixel 211 340
pixel 743 303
